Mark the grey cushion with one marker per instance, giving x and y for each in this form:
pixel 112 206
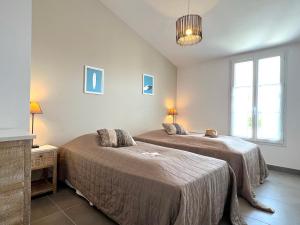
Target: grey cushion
pixel 115 138
pixel 174 128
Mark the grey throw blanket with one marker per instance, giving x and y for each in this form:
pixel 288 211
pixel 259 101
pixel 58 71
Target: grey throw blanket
pixel 151 185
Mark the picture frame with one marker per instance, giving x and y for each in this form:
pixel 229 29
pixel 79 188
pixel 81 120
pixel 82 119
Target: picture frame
pixel 148 84
pixel 93 80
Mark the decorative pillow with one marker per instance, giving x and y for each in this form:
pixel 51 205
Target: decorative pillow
pixel 211 133
pixel 115 138
pixel 174 128
pixel 169 128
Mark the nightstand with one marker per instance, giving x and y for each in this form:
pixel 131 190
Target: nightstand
pixel 44 158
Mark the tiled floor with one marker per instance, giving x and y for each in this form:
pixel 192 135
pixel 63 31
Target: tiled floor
pixel 281 191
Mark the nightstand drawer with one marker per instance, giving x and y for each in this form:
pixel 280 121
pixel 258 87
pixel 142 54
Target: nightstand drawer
pixel 42 160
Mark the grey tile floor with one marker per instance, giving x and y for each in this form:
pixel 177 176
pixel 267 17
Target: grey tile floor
pixel 281 191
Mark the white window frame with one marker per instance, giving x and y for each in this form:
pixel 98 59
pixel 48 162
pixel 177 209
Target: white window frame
pixel 283 78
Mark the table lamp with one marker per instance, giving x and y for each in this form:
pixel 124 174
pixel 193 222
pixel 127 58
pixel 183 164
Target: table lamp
pixel 35 108
pixel 173 112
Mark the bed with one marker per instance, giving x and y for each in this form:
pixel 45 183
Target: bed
pixel 150 185
pixel 245 158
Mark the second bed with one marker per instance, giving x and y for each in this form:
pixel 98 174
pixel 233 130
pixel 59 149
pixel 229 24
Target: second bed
pixel 244 157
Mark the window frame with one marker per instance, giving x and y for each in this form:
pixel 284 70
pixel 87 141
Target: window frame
pixel 255 59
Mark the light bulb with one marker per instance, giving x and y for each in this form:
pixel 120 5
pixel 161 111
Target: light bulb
pixel 188 32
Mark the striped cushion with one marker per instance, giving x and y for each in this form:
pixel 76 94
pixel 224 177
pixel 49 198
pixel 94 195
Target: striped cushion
pixel 174 128
pixel 115 138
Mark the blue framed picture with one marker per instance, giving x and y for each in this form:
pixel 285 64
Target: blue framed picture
pixel 93 80
pixel 148 84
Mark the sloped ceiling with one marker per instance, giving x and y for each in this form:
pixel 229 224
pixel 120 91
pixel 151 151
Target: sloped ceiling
pixel 229 26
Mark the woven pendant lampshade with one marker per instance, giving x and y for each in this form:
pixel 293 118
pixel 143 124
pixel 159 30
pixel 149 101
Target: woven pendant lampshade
pixel 189 30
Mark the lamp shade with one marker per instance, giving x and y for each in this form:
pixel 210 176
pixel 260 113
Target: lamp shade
pixel 35 108
pixel 189 30
pixel 172 112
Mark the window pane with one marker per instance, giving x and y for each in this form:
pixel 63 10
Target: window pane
pixel 242 100
pixel 243 74
pixel 268 126
pixel 269 99
pixel 242 125
pixel 269 119
pixel 269 71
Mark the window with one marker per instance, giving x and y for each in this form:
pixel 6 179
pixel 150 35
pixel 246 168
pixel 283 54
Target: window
pixel 257 99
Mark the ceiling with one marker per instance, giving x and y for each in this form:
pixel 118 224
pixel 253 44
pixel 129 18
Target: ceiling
pixel 229 26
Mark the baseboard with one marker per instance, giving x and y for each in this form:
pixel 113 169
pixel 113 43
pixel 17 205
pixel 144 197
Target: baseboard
pixel 284 169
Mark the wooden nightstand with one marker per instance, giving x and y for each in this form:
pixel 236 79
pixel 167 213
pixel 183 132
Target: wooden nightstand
pixel 43 158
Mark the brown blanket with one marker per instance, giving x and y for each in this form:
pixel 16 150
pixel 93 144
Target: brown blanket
pixel 149 184
pixel 244 157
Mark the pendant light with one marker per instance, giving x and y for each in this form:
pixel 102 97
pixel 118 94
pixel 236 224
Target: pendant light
pixel 189 29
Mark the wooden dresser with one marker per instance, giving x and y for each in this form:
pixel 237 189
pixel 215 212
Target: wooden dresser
pixel 15 177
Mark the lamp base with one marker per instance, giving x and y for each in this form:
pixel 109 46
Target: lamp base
pixel 35 146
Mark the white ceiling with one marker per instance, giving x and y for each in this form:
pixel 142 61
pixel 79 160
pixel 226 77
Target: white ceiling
pixel 229 26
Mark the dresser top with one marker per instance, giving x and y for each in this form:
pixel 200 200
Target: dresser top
pixel 14 135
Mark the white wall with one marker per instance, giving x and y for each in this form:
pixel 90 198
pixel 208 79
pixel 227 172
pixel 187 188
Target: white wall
pixel 68 34
pixel 203 101
pixel 15 55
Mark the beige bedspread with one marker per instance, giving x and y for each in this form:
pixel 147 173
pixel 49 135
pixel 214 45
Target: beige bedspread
pixel 244 157
pixel 149 184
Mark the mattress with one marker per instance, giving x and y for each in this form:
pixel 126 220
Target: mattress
pixel 150 185
pixel 245 158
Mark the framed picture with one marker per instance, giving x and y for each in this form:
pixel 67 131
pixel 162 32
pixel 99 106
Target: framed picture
pixel 148 84
pixel 93 80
